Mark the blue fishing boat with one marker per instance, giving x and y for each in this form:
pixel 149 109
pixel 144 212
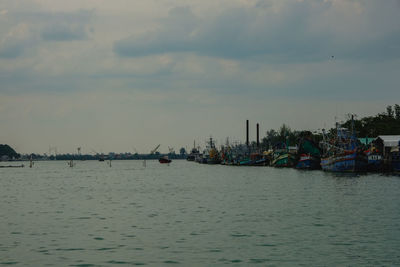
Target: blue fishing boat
pixel 308 162
pixel 343 152
pixel 346 161
pixel 255 159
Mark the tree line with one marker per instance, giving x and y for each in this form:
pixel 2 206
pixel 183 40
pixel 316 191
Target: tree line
pixel 6 150
pixel 385 123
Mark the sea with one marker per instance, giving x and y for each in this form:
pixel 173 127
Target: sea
pixel 187 214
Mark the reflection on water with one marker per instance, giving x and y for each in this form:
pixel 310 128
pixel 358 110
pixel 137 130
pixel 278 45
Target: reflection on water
pixel 190 214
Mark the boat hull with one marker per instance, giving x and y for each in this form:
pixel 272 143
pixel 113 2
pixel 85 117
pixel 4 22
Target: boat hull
pixel 353 162
pixel 190 158
pixel 283 161
pixel 395 158
pixel 375 163
pixel 213 161
pixel 164 161
pixel 307 162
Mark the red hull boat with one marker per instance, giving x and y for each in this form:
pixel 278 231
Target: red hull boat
pixel 164 160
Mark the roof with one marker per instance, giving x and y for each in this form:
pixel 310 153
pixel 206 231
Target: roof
pixel 366 141
pixel 390 140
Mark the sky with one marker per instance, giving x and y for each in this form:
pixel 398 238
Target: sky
pixel 126 75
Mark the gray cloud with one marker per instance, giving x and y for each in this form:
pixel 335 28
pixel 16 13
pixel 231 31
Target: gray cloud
pixel 299 31
pixel 173 36
pixel 67 26
pixel 10 50
pixel 64 32
pixel 25 31
pixel 16 40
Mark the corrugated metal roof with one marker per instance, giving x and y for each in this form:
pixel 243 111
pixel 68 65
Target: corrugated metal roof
pixel 390 140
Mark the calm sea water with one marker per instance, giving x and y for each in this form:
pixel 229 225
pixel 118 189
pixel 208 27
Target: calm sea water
pixel 195 215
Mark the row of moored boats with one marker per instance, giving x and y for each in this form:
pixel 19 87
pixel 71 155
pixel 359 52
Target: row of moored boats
pixel 342 152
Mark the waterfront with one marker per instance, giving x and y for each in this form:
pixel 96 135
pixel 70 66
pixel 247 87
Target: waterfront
pixel 195 215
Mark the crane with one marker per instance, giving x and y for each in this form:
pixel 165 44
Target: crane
pixel 155 149
pixel 94 151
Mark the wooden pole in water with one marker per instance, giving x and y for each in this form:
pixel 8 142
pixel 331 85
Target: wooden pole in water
pixel 258 135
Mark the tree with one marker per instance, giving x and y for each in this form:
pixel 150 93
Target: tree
pixel 270 139
pixel 284 131
pixel 397 111
pixel 389 110
pixel 6 150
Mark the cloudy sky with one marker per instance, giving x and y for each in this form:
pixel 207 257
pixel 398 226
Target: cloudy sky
pixel 117 75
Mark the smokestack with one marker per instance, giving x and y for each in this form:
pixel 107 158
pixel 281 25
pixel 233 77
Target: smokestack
pixel 247 132
pixel 258 135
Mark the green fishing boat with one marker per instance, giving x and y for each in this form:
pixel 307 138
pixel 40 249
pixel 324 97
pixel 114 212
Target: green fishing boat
pixel 283 159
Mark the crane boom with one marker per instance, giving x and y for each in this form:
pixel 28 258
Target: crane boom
pixel 155 149
pixel 94 151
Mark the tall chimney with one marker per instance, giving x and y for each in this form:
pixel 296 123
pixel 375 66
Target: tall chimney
pixel 258 135
pixel 247 132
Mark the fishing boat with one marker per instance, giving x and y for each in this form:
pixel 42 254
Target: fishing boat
pixel 193 153
pixel 373 149
pixel 375 162
pixel 395 158
pixel 244 161
pixel 191 157
pixel 199 159
pixel 343 152
pixel 164 160
pixel 283 156
pixel 256 159
pixel 211 155
pixel 309 154
pixel 308 162
pixel 234 155
pixel 283 159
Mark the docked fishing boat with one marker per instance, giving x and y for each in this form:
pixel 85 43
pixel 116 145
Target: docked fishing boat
pixel 373 149
pixel 395 159
pixel 343 152
pixel 283 156
pixel 283 159
pixel 388 147
pixel 193 153
pixel 255 159
pixel 308 162
pixel 345 161
pixel 199 159
pixel 309 154
pixel 243 161
pixel 375 162
pixel 211 155
pixel 191 156
pixel 164 160
pixel 267 155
